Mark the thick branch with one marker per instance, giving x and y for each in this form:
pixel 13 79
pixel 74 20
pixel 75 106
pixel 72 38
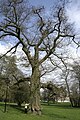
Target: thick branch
pixel 30 58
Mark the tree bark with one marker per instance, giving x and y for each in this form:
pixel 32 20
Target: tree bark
pixel 35 90
pixel 6 99
pixel 70 98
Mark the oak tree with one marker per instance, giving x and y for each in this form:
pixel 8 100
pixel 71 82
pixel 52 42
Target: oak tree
pixel 40 35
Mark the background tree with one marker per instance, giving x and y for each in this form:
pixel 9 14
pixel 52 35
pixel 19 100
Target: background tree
pixel 14 85
pixel 5 76
pixel 66 75
pixel 76 84
pixel 53 92
pixel 35 32
pixel 20 92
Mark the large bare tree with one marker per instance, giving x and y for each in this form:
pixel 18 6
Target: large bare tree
pixel 41 35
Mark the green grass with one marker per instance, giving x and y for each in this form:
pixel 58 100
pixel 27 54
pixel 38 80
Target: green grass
pixel 52 112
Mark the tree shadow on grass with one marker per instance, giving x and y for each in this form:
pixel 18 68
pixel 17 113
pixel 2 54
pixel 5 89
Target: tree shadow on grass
pixel 59 105
pixel 55 116
pixel 19 108
pixel 2 106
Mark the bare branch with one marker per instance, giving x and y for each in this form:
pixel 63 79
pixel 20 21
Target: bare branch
pixel 10 50
pixel 77 43
pixel 61 60
pixel 51 50
pixel 8 32
pixel 28 41
pixel 48 71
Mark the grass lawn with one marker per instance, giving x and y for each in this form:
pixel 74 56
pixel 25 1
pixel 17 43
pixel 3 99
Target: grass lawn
pixel 53 112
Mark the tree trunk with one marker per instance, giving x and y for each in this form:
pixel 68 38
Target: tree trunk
pixel 6 99
pixel 69 95
pixel 35 90
pixel 79 95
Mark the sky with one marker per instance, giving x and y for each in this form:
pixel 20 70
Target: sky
pixel 73 11
pixel 46 3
